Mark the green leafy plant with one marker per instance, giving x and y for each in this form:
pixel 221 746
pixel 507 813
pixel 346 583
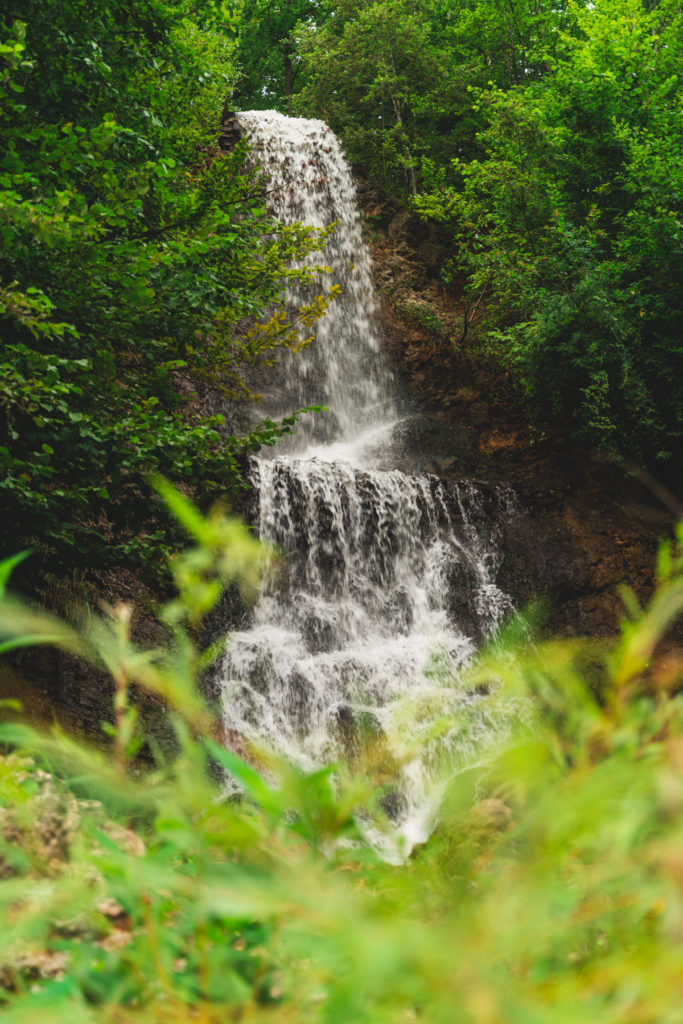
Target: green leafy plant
pixel 550 890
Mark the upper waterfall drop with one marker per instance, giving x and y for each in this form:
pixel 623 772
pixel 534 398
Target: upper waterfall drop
pixel 389 580
pixel 344 370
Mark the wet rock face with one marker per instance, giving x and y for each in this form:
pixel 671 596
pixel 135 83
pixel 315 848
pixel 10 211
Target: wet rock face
pixel 348 538
pixel 586 543
pixel 230 131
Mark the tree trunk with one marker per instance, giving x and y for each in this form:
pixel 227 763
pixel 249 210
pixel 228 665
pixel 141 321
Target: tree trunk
pixel 289 74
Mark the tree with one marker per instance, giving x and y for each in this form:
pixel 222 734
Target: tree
pixel 569 218
pixel 268 53
pixel 393 77
pixel 131 251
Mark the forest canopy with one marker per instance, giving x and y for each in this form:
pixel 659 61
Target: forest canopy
pixel 546 138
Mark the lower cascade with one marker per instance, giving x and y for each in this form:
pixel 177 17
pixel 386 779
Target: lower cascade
pixel 385 583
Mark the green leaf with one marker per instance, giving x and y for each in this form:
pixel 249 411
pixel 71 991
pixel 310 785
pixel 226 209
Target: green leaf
pixel 264 796
pixel 8 565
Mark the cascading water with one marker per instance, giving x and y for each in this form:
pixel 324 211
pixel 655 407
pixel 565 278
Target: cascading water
pixel 343 370
pixel 389 580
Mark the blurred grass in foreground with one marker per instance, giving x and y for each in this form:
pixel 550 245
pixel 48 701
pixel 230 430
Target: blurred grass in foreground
pixel 551 890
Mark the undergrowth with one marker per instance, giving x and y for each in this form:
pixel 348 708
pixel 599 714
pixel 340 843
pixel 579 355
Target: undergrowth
pixel 550 891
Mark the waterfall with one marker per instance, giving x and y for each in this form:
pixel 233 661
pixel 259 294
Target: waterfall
pixel 388 581
pixel 343 370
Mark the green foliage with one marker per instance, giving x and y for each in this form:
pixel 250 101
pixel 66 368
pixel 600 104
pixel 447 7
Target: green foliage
pixel 570 221
pixel 393 76
pixel 132 254
pixel 268 54
pixel 385 84
pixel 550 891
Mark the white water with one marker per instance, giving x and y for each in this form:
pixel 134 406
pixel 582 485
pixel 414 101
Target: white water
pixel 389 580
pixel 343 369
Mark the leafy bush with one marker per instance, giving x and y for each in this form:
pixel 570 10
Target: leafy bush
pixel 138 263
pixel 550 890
